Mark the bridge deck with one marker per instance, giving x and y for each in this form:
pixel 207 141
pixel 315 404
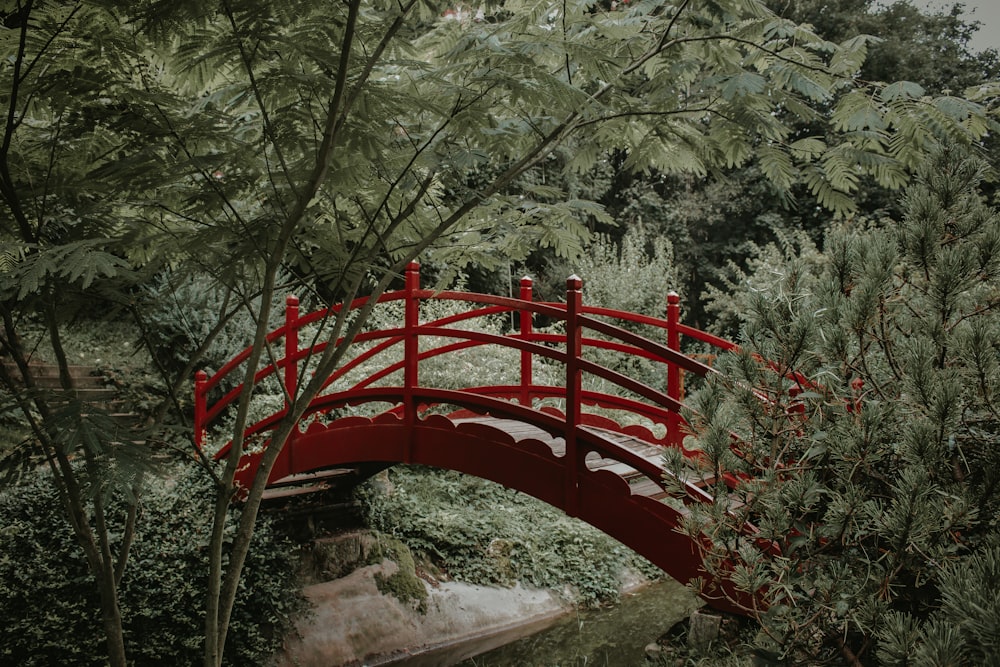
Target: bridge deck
pixel 638 482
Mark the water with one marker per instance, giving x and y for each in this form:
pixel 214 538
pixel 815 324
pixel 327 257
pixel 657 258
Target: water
pixel 608 637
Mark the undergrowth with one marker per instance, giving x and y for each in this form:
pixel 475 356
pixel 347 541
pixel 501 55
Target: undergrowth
pixel 50 612
pixel 483 533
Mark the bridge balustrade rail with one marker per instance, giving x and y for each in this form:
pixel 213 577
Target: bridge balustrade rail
pixel 582 325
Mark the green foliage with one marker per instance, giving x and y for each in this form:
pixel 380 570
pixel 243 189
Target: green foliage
pixel 766 268
pixel 716 220
pixel 964 630
pixel 426 135
pixel 634 275
pixel 334 142
pixel 51 606
pixel 927 47
pixel 483 533
pixel 180 311
pixel 869 439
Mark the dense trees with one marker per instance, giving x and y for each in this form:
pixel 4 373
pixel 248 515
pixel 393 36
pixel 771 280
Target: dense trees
pixel 719 219
pixel 931 49
pixel 255 145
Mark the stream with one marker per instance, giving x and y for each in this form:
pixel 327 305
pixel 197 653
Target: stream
pixel 606 637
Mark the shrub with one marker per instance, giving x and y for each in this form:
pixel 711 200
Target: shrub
pixel 875 464
pixel 51 614
pixel 180 312
pixel 483 533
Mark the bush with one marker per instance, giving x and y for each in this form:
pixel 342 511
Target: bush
pixel 51 614
pixel 483 533
pixel 635 276
pixel 871 458
pixel 180 312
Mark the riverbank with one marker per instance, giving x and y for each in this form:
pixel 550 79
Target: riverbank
pixel 356 620
pixel 352 622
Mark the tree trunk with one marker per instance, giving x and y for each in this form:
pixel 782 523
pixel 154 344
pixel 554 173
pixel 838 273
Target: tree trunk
pixel 112 618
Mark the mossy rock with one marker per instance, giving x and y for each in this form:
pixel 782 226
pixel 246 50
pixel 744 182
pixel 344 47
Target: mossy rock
pixel 333 558
pixel 404 584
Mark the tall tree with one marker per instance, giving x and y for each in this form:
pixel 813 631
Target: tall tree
pixel 931 48
pixel 67 126
pixel 331 144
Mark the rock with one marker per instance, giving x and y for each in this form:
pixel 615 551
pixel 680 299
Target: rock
pixel 703 629
pixel 337 556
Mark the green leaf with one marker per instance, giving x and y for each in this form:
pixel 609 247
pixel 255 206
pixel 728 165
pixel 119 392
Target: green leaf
pixel 901 90
pixel 809 148
pixel 857 110
pixel 777 166
pixel 81 263
pixel 743 84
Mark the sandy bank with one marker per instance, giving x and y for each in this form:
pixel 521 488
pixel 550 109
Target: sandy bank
pixel 352 623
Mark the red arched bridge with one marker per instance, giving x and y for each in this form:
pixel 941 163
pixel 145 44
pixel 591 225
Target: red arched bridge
pixel 563 423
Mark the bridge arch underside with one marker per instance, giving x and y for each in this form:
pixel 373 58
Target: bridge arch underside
pixel 603 499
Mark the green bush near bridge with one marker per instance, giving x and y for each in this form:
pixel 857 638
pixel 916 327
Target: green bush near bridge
pixel 873 459
pixel 51 611
pixel 483 533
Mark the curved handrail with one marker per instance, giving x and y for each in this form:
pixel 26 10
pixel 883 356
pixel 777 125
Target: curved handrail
pixel 530 344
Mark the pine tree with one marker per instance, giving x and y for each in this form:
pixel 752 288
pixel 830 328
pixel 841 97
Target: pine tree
pixel 861 419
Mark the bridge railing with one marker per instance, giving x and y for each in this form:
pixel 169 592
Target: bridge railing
pixel 583 327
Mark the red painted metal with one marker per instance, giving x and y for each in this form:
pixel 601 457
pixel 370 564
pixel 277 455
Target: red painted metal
pixel 291 368
pixel 553 464
pixel 574 389
pixel 200 399
pixel 291 347
pixel 673 371
pixel 525 326
pixel 411 347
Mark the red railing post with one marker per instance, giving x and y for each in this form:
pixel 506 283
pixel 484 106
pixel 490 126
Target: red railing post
pixel 574 389
pixel 291 346
pixel 411 348
pixel 674 386
pixel 526 379
pixel 291 368
pixel 200 408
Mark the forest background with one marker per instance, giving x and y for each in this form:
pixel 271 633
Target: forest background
pixel 183 165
